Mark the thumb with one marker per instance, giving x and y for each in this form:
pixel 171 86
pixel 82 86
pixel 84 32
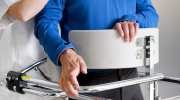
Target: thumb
pixel 83 66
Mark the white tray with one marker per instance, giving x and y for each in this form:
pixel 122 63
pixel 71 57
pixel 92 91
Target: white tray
pixel 105 49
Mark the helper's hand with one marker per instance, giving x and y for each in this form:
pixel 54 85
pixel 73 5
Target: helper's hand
pixel 127 29
pixel 72 64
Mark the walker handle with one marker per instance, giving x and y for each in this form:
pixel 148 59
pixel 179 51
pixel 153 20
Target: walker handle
pixel 101 87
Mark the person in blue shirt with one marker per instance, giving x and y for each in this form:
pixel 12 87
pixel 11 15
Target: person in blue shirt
pixel 124 15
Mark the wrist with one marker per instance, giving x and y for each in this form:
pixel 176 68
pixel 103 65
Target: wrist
pixel 66 52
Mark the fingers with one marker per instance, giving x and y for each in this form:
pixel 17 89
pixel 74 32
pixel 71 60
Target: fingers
pixel 74 82
pixel 128 29
pixel 136 28
pixel 73 77
pixel 71 90
pixel 83 66
pixel 119 29
pixel 131 32
pixel 61 84
pixel 67 83
pixel 70 70
pixel 71 80
pixel 73 74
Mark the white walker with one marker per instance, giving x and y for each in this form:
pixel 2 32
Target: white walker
pixel 97 53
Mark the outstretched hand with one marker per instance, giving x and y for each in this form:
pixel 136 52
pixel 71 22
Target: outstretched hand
pixel 127 29
pixel 72 64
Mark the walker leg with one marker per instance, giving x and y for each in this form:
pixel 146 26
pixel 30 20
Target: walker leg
pixel 150 87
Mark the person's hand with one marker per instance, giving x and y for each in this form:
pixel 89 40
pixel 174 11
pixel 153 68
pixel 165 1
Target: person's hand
pixel 72 64
pixel 127 29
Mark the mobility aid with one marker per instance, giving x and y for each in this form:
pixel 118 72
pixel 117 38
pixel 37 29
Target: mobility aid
pixel 144 51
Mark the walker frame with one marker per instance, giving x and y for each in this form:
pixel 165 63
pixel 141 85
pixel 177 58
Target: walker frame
pixel 20 83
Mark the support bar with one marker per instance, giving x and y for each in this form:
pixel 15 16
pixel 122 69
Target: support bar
pixel 119 84
pixel 101 87
pixel 37 69
pixel 150 87
pixel 171 79
pixel 60 94
pixel 173 98
pixel 25 70
pixel 42 73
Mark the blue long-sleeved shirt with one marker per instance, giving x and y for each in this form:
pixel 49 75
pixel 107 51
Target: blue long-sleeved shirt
pixel 87 15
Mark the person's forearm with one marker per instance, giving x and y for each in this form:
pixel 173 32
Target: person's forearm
pixel 26 9
pixel 47 32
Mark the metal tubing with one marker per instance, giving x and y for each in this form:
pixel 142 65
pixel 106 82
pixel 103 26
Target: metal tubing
pixel 42 73
pixel 165 79
pixel 119 84
pixel 171 79
pixel 25 70
pixel 83 96
pixel 150 91
pixel 53 93
pixel 66 98
pixel 33 86
pixel 60 94
pixel 101 87
pixel 173 98
pixel 45 83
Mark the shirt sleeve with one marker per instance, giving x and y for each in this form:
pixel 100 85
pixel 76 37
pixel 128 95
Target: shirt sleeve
pixel 145 16
pixel 5 19
pixel 4 7
pixel 46 30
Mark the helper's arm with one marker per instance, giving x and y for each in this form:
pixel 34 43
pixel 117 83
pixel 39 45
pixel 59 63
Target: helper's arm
pixel 46 29
pixel 26 9
pixel 145 16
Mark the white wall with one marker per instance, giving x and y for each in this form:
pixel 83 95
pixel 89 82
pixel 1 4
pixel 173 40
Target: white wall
pixel 169 26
